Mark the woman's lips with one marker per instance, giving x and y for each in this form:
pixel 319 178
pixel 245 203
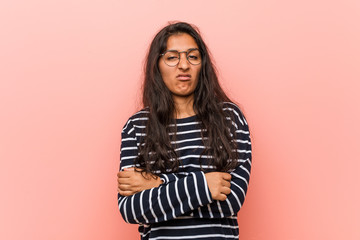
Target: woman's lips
pixel 183 76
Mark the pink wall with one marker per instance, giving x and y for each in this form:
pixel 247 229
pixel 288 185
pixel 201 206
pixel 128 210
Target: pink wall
pixel 70 74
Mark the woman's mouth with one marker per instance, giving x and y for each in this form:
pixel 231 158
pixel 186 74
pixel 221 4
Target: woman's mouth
pixel 183 77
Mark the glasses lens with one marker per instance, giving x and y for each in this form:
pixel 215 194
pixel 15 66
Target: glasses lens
pixel 194 57
pixel 171 58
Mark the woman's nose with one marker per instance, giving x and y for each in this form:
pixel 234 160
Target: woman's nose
pixel 183 62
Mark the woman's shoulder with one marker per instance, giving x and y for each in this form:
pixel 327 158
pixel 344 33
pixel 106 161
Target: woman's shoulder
pixel 140 115
pixel 233 110
pixel 137 119
pixel 231 107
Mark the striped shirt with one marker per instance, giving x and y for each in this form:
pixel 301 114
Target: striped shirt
pixel 182 207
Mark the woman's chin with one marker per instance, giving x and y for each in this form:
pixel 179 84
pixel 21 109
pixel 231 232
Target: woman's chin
pixel 184 94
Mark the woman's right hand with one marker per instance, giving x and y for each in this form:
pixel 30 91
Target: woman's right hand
pixel 219 184
pixel 131 181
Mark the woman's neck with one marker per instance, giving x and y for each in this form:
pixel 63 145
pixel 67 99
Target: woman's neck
pixel 184 107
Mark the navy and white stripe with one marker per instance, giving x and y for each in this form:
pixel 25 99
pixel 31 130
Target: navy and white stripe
pixel 182 207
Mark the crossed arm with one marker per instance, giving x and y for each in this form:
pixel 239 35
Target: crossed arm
pixel 131 182
pixel 148 198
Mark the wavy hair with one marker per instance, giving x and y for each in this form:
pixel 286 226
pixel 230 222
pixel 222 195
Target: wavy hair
pixel 156 152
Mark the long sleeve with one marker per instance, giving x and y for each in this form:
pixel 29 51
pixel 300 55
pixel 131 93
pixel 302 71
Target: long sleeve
pixel 185 193
pixel 239 176
pixel 165 202
pixel 219 209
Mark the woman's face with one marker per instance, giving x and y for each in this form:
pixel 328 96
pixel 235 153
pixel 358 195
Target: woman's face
pixel 183 78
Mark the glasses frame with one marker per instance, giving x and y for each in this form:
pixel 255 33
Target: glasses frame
pixel 187 56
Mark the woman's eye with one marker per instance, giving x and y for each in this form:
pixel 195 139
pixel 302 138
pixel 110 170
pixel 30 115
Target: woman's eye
pixel 193 57
pixel 171 58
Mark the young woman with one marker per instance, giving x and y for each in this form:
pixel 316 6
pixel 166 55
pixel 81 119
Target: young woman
pixel 186 156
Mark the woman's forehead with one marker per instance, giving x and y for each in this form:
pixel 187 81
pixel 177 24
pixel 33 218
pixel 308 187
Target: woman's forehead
pixel 181 42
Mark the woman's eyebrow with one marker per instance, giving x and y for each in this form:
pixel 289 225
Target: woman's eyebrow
pixel 181 51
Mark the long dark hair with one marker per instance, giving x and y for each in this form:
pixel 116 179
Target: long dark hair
pixel 156 152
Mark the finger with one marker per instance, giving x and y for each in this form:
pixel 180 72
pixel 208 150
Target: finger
pixel 226 176
pixel 120 174
pixel 125 174
pixel 222 197
pixel 124 187
pixel 124 181
pixel 225 190
pixel 121 190
pixel 126 193
pixel 226 184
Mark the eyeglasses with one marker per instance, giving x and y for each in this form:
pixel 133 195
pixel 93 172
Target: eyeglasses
pixel 172 57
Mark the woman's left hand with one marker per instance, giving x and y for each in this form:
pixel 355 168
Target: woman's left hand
pixel 131 181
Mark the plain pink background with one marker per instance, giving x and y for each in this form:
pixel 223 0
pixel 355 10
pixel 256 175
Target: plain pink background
pixel 70 75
